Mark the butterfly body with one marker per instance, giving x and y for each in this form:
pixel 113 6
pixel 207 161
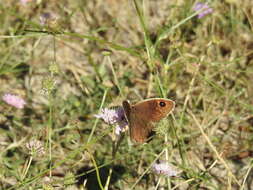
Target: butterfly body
pixel 142 116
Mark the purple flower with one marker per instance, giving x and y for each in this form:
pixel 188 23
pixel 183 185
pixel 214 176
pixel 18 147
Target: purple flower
pixel 110 116
pixel 48 18
pixel 24 2
pixel 35 147
pixel 202 9
pixel 165 169
pixel 14 100
pixel 121 127
pixel 114 116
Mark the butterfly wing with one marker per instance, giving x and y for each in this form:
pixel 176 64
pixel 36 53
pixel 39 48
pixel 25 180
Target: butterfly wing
pixel 142 115
pixel 140 128
pixel 154 109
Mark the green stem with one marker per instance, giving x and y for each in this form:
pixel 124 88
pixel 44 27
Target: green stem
pixel 158 183
pixel 115 147
pixel 108 179
pixel 167 158
pixel 96 121
pixel 97 171
pixel 139 179
pixel 50 134
pixel 115 76
pixel 27 168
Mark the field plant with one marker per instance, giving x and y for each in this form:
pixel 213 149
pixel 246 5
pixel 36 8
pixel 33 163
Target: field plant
pixel 66 66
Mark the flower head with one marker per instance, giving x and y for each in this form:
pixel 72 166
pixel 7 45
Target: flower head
pixel 121 127
pixel 114 116
pixel 203 9
pixel 24 2
pixel 14 100
pixel 35 147
pixel 110 116
pixel 48 18
pixel 165 169
pixel 48 85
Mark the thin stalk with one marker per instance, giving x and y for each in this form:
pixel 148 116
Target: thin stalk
pixel 166 135
pixel 115 76
pixel 108 179
pixel 27 168
pixel 115 146
pixel 168 31
pixel 96 121
pixel 158 183
pixel 246 176
pixel 139 179
pixel 167 158
pixel 97 170
pixel 49 137
pixel 213 148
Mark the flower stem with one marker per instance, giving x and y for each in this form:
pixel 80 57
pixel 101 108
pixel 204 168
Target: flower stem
pixel 27 168
pixel 96 121
pixel 167 158
pixel 115 146
pixel 49 137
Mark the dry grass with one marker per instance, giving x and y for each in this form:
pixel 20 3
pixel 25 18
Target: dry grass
pixel 99 53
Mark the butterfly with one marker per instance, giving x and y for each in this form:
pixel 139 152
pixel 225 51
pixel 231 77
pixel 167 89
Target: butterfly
pixel 143 115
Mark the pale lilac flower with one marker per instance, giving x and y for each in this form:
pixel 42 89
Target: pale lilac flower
pixel 203 9
pixel 165 169
pixel 110 116
pixel 14 100
pixel 121 127
pixel 35 147
pixel 24 2
pixel 114 116
pixel 47 17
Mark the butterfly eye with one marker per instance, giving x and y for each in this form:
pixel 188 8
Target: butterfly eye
pixel 162 104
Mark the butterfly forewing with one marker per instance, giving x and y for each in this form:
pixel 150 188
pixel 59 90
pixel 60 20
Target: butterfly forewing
pixel 151 109
pixel 144 114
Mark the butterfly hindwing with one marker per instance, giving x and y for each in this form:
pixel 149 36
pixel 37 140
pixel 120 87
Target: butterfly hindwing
pixel 139 129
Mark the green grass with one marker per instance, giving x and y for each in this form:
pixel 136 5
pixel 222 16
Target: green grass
pixel 100 53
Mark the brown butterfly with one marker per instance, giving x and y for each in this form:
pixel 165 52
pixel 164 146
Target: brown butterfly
pixel 142 116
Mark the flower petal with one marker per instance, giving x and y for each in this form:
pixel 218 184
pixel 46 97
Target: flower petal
pixel 14 100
